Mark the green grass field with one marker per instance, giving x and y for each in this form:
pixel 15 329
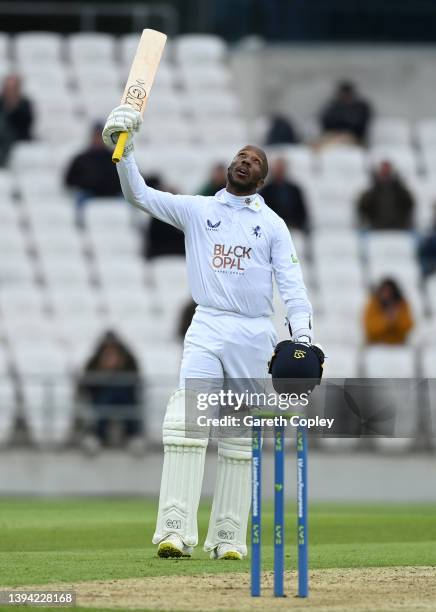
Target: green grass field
pixel 69 540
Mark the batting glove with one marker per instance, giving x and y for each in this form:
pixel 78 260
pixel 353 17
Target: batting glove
pixel 122 119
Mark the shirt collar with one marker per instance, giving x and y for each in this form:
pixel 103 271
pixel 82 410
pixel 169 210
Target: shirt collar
pixel 253 202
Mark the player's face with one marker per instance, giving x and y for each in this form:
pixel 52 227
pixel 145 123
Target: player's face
pixel 247 170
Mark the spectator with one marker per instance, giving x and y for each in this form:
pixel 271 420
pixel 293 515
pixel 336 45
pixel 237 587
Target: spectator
pixel 286 198
pixel 387 204
pixel 161 238
pixel 111 386
pixel 92 173
pixel 281 131
pixel 346 117
pixel 217 181
pixel 16 116
pixel 388 318
pixel 427 250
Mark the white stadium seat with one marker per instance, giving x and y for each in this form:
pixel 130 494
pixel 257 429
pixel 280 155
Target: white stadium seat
pixel 93 47
pixel 208 104
pixel 390 131
pixel 426 134
pixel 8 409
pixel 67 301
pixel 49 409
pixel 37 185
pixel 65 272
pixel 405 272
pixel 336 328
pixel 4 46
pixel 208 76
pixel 300 159
pixel 342 360
pixel 402 159
pixel 343 161
pixel 24 302
pixel 385 244
pixel 199 48
pixel 6 183
pixel 108 214
pixel 336 243
pixel 382 361
pixel 36 47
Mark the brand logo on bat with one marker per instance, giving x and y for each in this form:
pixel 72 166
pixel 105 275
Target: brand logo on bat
pixel 213 227
pixel 136 95
pixel 298 354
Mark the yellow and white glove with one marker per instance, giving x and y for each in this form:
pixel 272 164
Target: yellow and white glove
pixel 123 118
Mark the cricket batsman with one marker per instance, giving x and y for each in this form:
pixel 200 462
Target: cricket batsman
pixel 235 244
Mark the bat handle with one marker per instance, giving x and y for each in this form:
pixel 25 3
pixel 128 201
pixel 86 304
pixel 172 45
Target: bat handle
pixel 119 149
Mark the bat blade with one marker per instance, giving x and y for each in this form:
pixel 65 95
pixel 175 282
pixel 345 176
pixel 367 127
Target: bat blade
pixel 141 77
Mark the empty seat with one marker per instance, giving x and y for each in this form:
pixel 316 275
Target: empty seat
pixel 389 362
pixel 61 272
pixel 342 360
pixel 108 214
pixel 72 301
pixel 334 328
pixel 16 270
pixel 96 47
pixel 404 272
pixel 209 104
pixel 391 132
pixel 343 161
pixel 426 134
pixel 231 130
pixel 49 410
pixel 330 214
pixel 66 244
pixel 385 244
pixel 8 409
pixel 35 47
pixel 345 273
pixel 4 47
pixel 24 302
pixel 346 303
pixel 197 77
pixel 300 159
pixel 336 243
pixel 54 215
pixel 169 130
pixel 121 273
pixel 39 186
pixel 6 183
pixel 199 48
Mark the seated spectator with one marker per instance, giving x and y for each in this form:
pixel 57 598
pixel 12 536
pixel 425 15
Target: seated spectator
pixel 281 131
pixel 427 250
pixel 16 116
pixel 346 117
pixel 111 387
pixel 286 198
pixel 216 181
pixel 92 173
pixel 387 318
pixel 387 204
pixel 160 238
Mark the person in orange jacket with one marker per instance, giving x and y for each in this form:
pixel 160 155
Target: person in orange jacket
pixel 387 317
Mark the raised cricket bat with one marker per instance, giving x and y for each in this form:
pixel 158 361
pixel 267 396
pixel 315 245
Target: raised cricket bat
pixel 141 77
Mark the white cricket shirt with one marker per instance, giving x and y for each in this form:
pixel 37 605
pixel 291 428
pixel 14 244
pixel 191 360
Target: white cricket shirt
pixel 234 246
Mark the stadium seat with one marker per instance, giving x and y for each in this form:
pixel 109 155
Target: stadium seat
pixel 90 77
pixel 426 134
pixel 49 410
pixel 170 130
pixel 6 183
pixel 395 362
pixel 71 302
pixel 331 214
pixel 199 48
pixel 213 77
pixel 124 243
pixel 404 272
pixel 95 47
pixel 22 302
pixel 208 104
pixel 63 245
pixel 390 132
pixel 336 243
pixel 39 186
pixel 336 328
pixel 66 272
pixel 230 131
pixel 399 245
pixel 37 47
pixel 121 273
pixel 343 161
pixel 54 214
pixel 17 269
pixel 340 273
pixel 346 303
pixel 342 360
pixel 402 158
pixel 8 409
pixel 108 214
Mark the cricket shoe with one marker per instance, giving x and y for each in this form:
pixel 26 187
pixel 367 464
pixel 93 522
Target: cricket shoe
pixel 226 552
pixel 173 547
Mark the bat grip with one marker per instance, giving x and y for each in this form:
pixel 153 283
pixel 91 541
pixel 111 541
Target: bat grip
pixel 119 149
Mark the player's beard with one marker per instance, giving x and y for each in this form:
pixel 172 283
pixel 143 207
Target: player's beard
pixel 244 186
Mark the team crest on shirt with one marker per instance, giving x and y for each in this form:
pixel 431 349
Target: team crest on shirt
pixel 213 227
pixel 257 231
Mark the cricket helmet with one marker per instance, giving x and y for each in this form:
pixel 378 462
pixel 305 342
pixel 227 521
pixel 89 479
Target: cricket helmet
pixel 296 367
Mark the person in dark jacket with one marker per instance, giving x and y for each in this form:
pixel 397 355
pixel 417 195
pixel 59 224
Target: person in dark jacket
pixel 16 116
pixel 161 238
pixel 281 131
pixel 111 387
pixel 346 115
pixel 92 173
pixel 286 198
pixel 217 181
pixel 387 204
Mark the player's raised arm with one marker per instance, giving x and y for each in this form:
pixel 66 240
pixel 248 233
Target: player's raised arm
pixel 173 209
pixel 287 272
